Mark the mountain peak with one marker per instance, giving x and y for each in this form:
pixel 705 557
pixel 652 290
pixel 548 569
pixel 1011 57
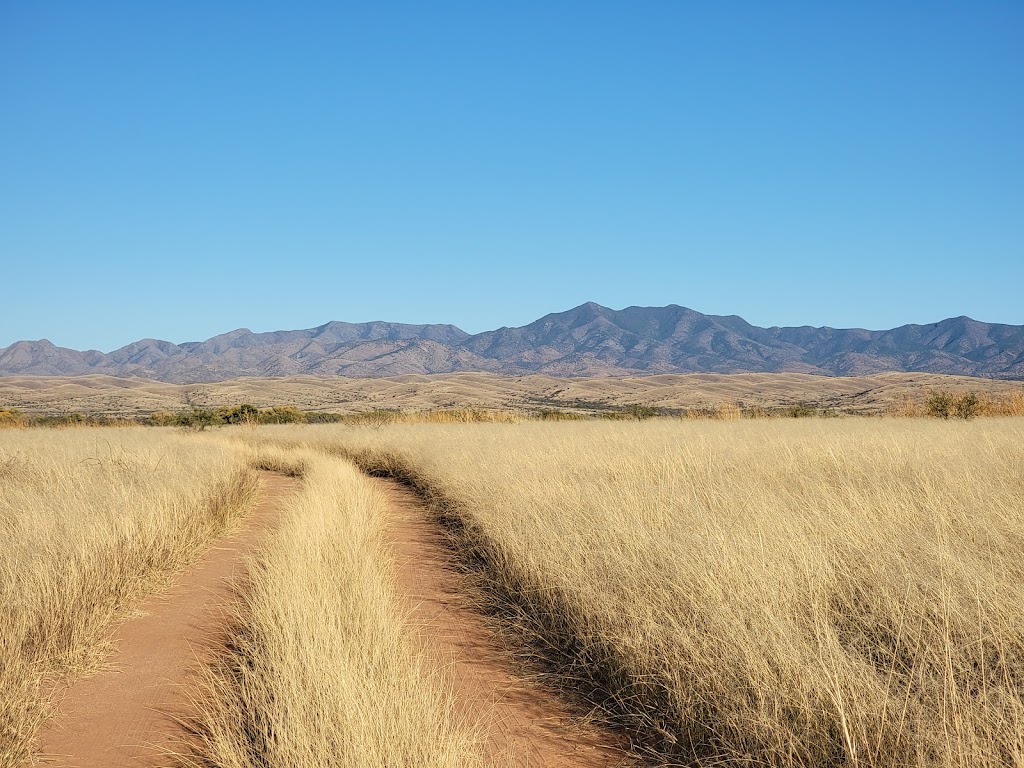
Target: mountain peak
pixel 587 340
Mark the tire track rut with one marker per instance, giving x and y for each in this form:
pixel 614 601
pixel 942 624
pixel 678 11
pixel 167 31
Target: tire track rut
pixel 128 715
pixel 520 720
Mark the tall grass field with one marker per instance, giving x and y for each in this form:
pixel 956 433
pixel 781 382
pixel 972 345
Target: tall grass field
pixel 784 592
pixel 320 667
pixel 776 592
pixel 91 520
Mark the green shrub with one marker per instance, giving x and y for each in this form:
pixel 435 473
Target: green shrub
pixel 239 414
pixel 641 412
pixel 946 405
pixel 162 419
pixel 553 414
pixel 197 418
pixel 939 404
pixel 801 411
pixel 317 417
pixel 282 414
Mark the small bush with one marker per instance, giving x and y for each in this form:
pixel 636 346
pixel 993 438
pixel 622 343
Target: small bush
pixel 939 404
pixel 197 419
pixel 553 414
pixel 282 414
pixel 641 412
pixel 317 417
pixel 942 404
pixel 10 417
pixel 376 418
pixel 162 419
pixel 947 405
pixel 800 411
pixel 239 414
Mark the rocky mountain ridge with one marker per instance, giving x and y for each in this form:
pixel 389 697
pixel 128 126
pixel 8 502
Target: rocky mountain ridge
pixel 589 340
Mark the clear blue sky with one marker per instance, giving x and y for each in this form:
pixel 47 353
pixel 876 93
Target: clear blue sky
pixel 180 169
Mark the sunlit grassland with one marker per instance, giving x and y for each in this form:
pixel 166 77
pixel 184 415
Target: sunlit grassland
pixel 784 592
pixel 320 667
pixel 91 520
pixel 807 592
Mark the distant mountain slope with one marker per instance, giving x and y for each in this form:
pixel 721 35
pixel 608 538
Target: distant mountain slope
pixel 589 340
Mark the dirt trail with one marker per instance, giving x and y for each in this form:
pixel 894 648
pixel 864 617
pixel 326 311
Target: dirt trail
pixel 126 716
pixel 520 719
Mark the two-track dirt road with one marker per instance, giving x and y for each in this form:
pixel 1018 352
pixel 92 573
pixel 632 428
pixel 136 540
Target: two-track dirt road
pixel 130 714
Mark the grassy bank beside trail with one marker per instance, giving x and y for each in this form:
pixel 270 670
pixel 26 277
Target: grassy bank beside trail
pixel 320 668
pixel 783 593
pixel 90 521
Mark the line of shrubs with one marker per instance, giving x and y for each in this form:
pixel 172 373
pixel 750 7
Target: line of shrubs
pixel 198 418
pixel 201 418
pixel 12 417
pixel 191 418
pixel 947 405
pixel 943 404
pixel 937 404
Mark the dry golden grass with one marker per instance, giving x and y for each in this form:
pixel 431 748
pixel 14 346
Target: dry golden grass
pixel 1008 404
pixel 319 669
pixel 125 397
pixel 784 592
pixel 780 592
pixel 91 520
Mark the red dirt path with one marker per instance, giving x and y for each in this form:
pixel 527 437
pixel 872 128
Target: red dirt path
pixel 125 717
pixel 128 716
pixel 520 720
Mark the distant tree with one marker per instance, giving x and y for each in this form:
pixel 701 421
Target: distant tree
pixel 163 419
pixel 641 412
pixel 197 419
pixel 801 411
pixel 946 405
pixel 239 414
pixel 939 404
pixel 282 414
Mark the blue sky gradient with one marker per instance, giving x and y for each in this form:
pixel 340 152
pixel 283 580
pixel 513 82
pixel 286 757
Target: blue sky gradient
pixel 177 170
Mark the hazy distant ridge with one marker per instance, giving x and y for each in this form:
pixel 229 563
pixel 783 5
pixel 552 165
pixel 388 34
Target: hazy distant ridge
pixel 589 340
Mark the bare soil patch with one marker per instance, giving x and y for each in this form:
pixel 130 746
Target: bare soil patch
pixel 521 720
pixel 131 713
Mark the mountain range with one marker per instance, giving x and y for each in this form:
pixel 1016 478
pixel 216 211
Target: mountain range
pixel 589 340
